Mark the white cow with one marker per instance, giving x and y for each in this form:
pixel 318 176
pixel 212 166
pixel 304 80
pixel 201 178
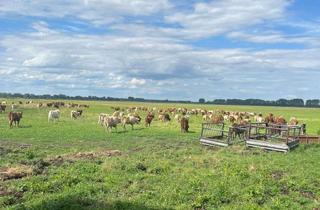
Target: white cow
pixel 130 120
pixel 54 115
pixel 111 122
pixel 14 106
pixel 101 118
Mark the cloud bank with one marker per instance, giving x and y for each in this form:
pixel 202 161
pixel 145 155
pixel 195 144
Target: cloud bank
pixel 159 49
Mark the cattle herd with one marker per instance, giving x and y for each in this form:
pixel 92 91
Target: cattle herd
pixel 132 115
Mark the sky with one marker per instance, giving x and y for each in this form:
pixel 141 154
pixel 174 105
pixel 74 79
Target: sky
pixel 161 49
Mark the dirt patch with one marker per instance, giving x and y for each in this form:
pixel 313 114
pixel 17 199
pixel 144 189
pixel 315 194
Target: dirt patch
pixel 284 190
pixel 308 194
pixel 92 155
pixel 4 151
pixel 4 192
pixel 37 167
pixel 136 149
pixel 70 158
pixel 22 146
pixel 16 172
pixel 277 175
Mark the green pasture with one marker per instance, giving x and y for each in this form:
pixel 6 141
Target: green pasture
pixel 157 168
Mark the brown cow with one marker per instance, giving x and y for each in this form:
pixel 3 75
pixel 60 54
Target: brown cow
pixel 269 118
pixel 217 119
pixel 3 108
pixel 280 120
pixel 184 123
pixel 14 117
pixel 149 119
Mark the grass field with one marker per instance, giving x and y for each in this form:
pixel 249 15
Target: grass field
pixel 153 168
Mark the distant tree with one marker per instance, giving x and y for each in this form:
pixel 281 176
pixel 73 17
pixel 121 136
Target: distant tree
pixel 313 103
pixel 202 101
pixel 296 102
pixel 219 101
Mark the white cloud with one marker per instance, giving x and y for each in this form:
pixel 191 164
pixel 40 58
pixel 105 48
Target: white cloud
pixel 220 16
pixel 149 54
pixel 154 67
pixel 137 82
pixel 273 37
pixel 96 11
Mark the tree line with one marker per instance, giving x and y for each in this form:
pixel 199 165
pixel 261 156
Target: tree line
pixel 259 102
pixel 251 102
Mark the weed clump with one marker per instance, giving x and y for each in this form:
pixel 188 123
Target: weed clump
pixel 141 167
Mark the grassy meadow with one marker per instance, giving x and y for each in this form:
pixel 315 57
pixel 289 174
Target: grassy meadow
pixel 76 164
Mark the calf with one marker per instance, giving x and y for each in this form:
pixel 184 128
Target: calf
pixel 14 118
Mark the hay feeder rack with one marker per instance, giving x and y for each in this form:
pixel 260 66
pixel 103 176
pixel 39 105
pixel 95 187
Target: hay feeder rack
pixel 218 134
pixel 274 137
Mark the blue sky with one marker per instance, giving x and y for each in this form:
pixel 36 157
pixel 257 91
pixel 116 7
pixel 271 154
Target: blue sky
pixel 164 49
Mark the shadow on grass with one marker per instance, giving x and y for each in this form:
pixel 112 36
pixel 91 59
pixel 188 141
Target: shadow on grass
pixel 25 126
pixel 79 203
pixel 191 132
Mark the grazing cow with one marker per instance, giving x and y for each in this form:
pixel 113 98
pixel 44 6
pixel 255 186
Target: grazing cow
pixel 83 105
pixel 164 117
pixel 101 118
pixel 184 124
pixel 54 115
pixel 232 119
pixel 259 118
pixel 149 119
pixel 111 122
pixel 177 117
pixel 14 117
pixel 206 117
pixel 280 120
pixel 130 120
pixel 3 108
pixel 39 105
pixel 217 119
pixel 14 106
pixel 167 117
pixel 49 104
pixel 293 121
pixel 238 129
pixel 76 114
pixel 269 118
pixel 56 105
